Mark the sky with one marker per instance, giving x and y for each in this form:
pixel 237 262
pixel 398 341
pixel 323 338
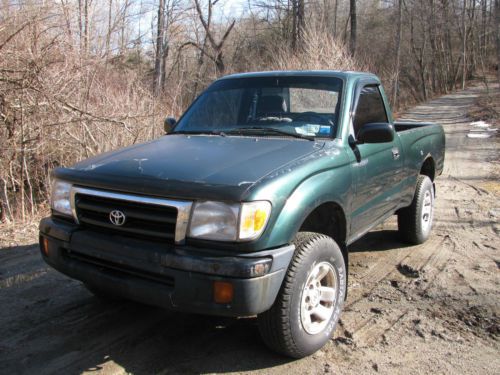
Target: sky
pixel 232 8
pixel 224 11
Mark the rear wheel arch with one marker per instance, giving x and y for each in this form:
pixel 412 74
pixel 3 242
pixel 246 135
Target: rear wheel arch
pixel 428 168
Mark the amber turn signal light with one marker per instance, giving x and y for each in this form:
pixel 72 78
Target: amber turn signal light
pixel 223 292
pixel 45 246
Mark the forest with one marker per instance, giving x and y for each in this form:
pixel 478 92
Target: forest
pixel 81 77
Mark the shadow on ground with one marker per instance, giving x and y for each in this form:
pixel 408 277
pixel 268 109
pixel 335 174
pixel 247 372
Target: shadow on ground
pixel 381 240
pixel 52 324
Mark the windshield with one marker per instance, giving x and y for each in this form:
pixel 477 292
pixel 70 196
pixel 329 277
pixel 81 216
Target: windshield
pixel 298 106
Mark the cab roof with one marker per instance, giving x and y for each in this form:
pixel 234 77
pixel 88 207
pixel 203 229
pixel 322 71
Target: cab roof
pixel 344 75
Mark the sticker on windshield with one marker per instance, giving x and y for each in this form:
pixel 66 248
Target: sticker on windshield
pixel 310 129
pixel 324 130
pixel 307 129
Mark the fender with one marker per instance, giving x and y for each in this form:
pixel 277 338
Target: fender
pixel 328 186
pixel 418 150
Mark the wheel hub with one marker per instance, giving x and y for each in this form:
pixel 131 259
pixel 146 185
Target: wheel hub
pixel 427 210
pixel 313 296
pixel 318 298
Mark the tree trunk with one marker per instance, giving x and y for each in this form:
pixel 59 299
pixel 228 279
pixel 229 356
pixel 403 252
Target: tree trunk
pixel 497 35
pixel 80 27
pixel 353 27
pixel 482 45
pixel 165 52
pixel 217 47
pixel 418 53
pixel 472 45
pixel 294 24
pixel 451 68
pixel 335 9
pixel 123 41
pixel 432 39
pixel 159 47
pixel 67 18
pixel 464 44
pixel 397 63
pixel 108 34
pixel 301 22
pixel 3 206
pixel 86 25
pixel 201 59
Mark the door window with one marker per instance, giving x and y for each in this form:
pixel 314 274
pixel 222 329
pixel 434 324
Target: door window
pixel 370 108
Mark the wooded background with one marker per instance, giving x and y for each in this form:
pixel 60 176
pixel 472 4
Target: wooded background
pixel 80 77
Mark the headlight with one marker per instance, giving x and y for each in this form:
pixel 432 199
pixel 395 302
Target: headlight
pixel 214 221
pixel 220 221
pixel 59 198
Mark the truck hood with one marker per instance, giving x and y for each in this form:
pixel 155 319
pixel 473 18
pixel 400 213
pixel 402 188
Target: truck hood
pixel 190 166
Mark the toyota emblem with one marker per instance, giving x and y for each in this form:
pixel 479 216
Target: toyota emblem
pixel 117 218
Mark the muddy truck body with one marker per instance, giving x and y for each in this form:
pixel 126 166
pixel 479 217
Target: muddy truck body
pixel 248 205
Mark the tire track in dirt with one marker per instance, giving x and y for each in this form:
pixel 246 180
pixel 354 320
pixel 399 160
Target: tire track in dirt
pixel 429 259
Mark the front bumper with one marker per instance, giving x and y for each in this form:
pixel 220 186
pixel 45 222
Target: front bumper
pixel 169 276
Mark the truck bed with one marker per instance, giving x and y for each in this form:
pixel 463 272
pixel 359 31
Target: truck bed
pixel 420 141
pixel 401 126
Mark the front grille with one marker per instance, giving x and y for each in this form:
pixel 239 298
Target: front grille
pixel 141 219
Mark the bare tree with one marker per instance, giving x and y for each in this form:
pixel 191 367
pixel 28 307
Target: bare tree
pixel 76 75
pixel 160 34
pixel 397 62
pixel 497 35
pixel 86 4
pixel 464 44
pixel 67 20
pixel 298 9
pixel 110 27
pixel 217 46
pixel 335 10
pixel 352 12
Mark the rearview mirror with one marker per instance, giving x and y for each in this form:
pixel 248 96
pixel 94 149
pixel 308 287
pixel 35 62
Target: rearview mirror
pixel 376 132
pixel 169 124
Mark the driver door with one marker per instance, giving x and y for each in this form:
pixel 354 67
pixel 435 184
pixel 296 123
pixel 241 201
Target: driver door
pixel 376 168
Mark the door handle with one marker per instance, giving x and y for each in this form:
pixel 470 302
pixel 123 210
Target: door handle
pixel 395 153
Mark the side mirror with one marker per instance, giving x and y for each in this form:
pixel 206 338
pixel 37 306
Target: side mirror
pixel 169 124
pixel 376 132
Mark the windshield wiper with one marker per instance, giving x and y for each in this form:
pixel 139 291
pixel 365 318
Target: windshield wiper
pixel 264 130
pixel 195 132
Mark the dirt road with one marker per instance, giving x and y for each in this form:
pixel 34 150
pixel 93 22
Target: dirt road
pixel 432 308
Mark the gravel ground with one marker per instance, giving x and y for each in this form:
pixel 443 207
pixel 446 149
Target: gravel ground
pixel 432 308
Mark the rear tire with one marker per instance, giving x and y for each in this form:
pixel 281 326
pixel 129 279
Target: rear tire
pixel 307 308
pixel 415 221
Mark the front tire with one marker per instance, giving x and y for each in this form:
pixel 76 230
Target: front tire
pixel 308 306
pixel 415 221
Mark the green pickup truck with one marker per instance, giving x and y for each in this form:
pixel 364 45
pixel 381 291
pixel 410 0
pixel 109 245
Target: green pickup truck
pixel 247 206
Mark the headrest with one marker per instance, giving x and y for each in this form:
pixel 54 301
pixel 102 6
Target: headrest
pixel 271 104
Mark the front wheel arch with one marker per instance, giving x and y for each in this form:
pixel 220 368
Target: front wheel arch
pixel 329 187
pixel 329 219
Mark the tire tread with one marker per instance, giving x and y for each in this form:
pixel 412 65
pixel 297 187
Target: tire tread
pixel 273 324
pixel 409 218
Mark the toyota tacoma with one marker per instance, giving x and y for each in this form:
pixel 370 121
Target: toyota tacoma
pixel 248 205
